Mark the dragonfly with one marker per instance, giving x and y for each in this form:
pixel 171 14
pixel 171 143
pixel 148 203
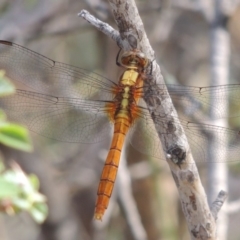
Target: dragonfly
pixel 71 104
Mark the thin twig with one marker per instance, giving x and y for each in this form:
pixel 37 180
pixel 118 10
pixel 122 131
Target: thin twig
pixel 102 26
pixel 127 201
pixel 218 203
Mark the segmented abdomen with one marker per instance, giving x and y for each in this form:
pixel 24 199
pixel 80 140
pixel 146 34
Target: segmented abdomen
pixel 109 173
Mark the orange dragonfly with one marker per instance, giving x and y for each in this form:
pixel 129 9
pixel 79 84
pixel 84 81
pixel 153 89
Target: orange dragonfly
pixel 71 104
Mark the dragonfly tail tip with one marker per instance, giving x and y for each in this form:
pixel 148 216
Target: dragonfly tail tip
pixel 98 216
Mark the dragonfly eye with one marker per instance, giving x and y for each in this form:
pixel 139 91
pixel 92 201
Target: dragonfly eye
pixel 137 58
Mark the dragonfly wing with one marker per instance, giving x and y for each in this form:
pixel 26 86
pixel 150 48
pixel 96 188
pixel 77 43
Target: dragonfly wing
pixel 64 119
pixel 226 141
pixel 46 76
pixel 143 135
pixel 197 99
pixel 144 138
pixel 70 103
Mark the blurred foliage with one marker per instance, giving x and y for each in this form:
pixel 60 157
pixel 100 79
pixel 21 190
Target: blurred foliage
pixel 18 191
pixel 15 136
pixel 12 135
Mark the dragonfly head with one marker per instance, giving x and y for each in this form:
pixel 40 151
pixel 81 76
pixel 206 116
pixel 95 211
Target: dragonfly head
pixel 134 59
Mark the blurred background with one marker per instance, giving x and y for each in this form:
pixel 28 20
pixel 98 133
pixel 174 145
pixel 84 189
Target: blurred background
pixel 68 172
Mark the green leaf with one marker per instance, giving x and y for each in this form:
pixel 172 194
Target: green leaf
pixel 15 136
pixel 8 189
pixel 39 212
pixel 6 87
pixel 19 192
pixel 21 204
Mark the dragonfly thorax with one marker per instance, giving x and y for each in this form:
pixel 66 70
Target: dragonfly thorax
pixel 129 77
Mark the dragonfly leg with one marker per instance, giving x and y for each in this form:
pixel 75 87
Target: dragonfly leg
pixel 117 58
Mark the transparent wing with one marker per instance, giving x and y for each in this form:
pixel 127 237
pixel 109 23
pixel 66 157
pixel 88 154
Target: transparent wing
pixel 44 75
pixel 70 103
pixel 64 119
pixel 67 103
pixel 198 98
pixel 144 138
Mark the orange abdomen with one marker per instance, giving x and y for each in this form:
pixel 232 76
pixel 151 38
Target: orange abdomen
pixel 109 173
